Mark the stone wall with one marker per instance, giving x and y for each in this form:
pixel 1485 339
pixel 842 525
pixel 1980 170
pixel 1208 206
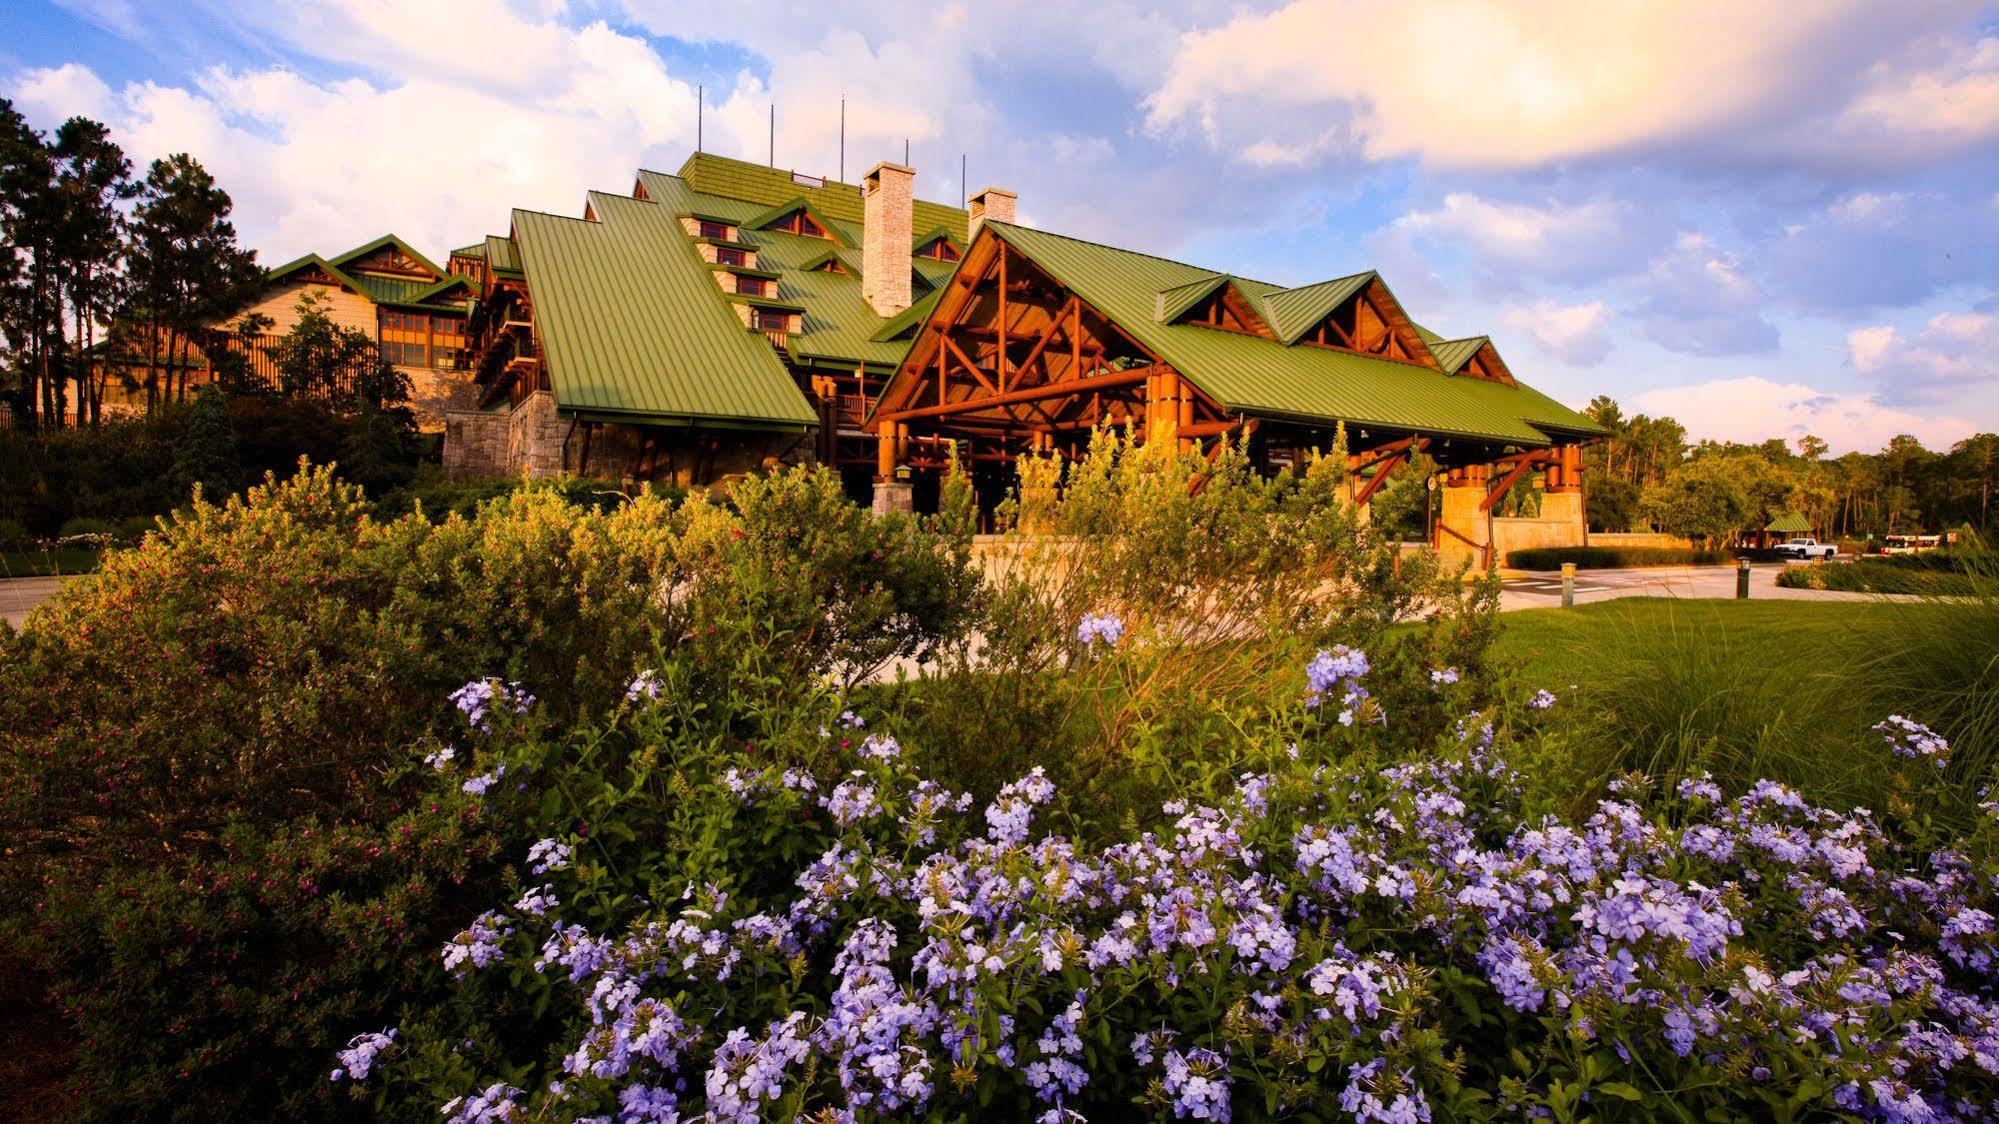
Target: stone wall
pixel 435 394
pixel 475 444
pixel 535 434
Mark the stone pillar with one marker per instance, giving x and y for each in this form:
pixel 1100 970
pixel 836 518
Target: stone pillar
pixel 1563 499
pixel 894 496
pixel 1463 531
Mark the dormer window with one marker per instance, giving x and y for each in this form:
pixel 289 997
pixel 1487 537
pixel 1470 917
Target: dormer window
pixel 729 255
pixel 770 320
pixel 712 229
pixel 939 249
pixel 798 222
pixel 753 286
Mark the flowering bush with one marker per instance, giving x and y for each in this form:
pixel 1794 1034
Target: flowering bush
pixel 1398 943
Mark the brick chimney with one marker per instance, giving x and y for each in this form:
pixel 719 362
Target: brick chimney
pixel 989 203
pixel 887 193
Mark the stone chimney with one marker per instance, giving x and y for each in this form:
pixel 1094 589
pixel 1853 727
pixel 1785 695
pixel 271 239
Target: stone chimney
pixel 887 194
pixel 989 203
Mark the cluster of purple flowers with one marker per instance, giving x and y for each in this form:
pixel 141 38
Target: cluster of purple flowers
pixel 1340 671
pixel 1317 907
pixel 644 685
pixel 1907 738
pixel 481 698
pixel 358 1059
pixel 1099 628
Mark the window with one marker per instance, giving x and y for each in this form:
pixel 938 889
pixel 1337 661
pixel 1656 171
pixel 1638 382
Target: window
pixel 939 249
pixel 753 286
pixel 798 222
pixel 713 229
pixel 728 256
pixel 404 354
pixel 770 320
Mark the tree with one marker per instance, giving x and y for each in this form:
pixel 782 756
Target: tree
pixel 206 455
pixel 30 311
pixel 92 180
pixel 1705 499
pixel 186 271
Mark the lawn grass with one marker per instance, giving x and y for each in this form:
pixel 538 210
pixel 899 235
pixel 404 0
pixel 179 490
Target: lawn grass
pixel 1743 689
pixel 47 563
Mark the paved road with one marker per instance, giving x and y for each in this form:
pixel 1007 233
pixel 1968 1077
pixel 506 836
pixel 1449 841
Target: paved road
pixel 18 595
pixel 1542 591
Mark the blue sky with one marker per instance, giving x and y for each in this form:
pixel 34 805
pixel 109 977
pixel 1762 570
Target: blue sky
pixel 1764 219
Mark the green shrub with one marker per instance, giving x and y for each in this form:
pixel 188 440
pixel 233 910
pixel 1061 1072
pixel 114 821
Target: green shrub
pixel 213 855
pixel 136 528
pixel 205 456
pixel 1223 582
pixel 86 528
pixel 14 535
pixel 1903 574
pixel 1615 557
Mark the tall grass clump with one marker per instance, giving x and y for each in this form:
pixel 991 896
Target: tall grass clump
pixel 1939 662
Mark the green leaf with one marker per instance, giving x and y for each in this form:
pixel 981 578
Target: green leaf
pixel 1621 1090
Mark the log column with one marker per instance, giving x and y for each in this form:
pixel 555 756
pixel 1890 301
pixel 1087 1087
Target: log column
pixel 892 488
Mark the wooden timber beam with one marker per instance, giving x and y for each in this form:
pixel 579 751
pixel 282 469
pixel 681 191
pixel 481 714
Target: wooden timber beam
pixel 1027 394
pixel 1380 453
pixel 1505 484
pixel 1048 335
pixel 1388 466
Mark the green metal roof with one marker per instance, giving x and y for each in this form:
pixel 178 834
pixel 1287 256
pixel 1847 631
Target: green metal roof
pixel 501 254
pixel 1789 523
pixel 475 250
pixel 1293 312
pixel 739 180
pixel 1252 375
pixel 631 322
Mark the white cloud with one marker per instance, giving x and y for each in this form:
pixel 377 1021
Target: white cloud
pixel 1952 351
pixel 1494 83
pixel 1553 239
pixel 1696 299
pixel 1574 333
pixel 60 92
pixel 440 154
pixel 1753 409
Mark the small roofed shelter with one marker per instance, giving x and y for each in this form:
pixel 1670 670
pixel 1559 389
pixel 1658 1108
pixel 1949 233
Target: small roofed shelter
pixel 1037 339
pixel 1789 525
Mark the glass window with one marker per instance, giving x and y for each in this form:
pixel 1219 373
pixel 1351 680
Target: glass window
pixel 753 286
pixel 714 229
pixel 728 256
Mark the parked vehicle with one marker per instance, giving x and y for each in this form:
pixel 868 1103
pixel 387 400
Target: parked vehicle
pixel 1912 544
pixel 1806 549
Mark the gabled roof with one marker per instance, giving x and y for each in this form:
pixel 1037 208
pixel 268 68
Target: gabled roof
pixel 1789 523
pixel 632 323
pixel 1252 375
pixel 280 272
pixel 1294 312
pixel 370 247
pixel 937 234
pixel 445 292
pixel 1453 355
pixel 475 250
pixel 793 205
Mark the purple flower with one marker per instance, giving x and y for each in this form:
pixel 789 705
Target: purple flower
pixel 644 685
pixel 1198 1083
pixel 547 855
pixel 1097 629
pixel 478 945
pixel 1542 700
pixel 1912 739
pixel 359 1058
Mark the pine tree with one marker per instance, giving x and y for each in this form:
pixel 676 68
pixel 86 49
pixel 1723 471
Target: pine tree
pixel 206 453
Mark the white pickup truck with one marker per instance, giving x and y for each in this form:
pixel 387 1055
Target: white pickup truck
pixel 1806 549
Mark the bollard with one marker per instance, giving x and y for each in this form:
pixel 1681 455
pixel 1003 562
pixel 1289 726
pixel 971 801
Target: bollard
pixel 1568 585
pixel 1742 579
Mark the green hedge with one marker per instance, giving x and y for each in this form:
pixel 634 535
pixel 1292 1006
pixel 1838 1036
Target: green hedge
pixel 1897 574
pixel 1614 557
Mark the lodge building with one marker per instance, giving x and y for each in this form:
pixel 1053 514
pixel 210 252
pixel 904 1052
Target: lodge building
pixel 734 315
pixel 415 312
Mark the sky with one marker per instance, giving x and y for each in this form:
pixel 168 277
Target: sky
pixel 1764 219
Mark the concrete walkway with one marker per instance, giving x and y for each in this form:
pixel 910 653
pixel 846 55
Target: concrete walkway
pixel 1523 590
pixel 18 595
